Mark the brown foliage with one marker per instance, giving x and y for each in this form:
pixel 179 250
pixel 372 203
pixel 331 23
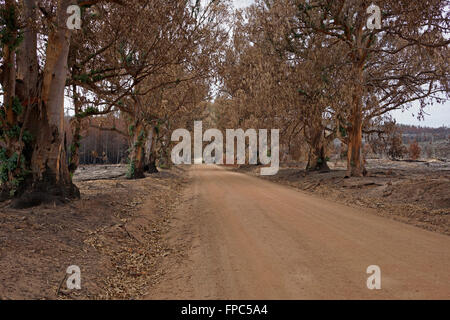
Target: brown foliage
pixel 414 150
pixel 314 64
pixel 396 149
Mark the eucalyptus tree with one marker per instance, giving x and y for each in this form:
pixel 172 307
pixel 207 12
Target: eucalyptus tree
pixel 386 66
pixel 35 45
pixel 119 44
pixel 143 49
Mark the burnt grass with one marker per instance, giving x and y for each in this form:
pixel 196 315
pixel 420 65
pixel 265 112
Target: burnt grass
pixel 113 233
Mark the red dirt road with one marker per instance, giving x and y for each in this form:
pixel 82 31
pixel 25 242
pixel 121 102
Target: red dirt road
pixel 246 238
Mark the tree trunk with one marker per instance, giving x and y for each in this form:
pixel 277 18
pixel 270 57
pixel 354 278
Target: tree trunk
pixel 74 158
pixel 50 179
pixel 137 156
pixel 14 83
pixel 317 158
pixel 9 57
pixel 150 152
pixel 8 117
pixel 355 166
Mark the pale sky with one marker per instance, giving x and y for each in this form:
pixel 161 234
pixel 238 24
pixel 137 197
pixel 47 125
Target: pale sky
pixel 438 115
pixel 242 3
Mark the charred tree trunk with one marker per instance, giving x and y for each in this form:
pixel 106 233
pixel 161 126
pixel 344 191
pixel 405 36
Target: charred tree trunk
pixel 150 152
pixel 8 118
pixel 14 83
pixel 137 156
pixel 9 85
pixel 45 156
pixel 50 172
pixel 317 158
pixel 74 156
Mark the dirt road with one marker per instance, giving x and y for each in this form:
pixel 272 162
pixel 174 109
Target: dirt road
pixel 245 238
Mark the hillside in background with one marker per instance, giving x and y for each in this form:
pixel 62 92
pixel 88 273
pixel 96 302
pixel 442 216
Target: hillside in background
pixel 434 142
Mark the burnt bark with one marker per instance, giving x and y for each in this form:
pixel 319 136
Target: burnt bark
pixel 49 166
pixel 74 155
pixel 150 152
pixel 317 160
pixel 137 157
pixel 317 140
pixel 49 179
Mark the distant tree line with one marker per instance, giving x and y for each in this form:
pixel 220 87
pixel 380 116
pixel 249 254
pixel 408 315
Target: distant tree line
pixel 102 141
pixel 423 134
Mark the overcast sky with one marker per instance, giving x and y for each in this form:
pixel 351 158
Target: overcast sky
pixel 242 3
pixel 438 115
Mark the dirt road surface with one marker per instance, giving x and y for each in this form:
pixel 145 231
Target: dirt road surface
pixel 245 238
